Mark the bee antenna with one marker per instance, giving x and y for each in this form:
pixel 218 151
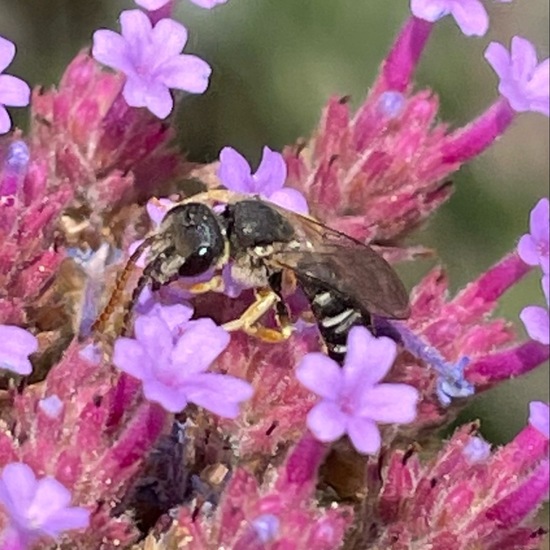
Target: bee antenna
pixel 121 280
pixel 141 284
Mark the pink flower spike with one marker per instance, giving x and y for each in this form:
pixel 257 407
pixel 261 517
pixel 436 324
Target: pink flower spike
pixel 268 181
pixel 523 81
pixel 14 92
pixel 37 507
pixel 151 60
pixel 470 15
pixel 353 399
pixel 534 247
pixel 16 344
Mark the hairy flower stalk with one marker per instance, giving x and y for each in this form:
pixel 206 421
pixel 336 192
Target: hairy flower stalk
pixel 156 428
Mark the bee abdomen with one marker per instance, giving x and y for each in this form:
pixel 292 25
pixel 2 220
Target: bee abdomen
pixel 335 316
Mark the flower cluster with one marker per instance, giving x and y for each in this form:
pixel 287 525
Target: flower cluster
pixel 139 417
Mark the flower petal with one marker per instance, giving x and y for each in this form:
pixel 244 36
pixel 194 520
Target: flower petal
pixel 134 92
pixel 365 435
pixel 155 336
pixel 471 16
pixel 524 58
pixel 234 171
pixel 151 5
pixel 208 4
pixel 5 120
pixel 291 199
pixel 136 28
pixel 158 99
pixel 527 250
pixel 321 375
pixel 368 358
pixel 430 10
pixel 390 403
pixel 499 59
pixel 218 393
pixel 17 488
pixel 185 72
pixel 271 173
pixel 539 221
pixel 14 92
pixel 7 52
pixel 16 344
pixel 326 421
pixel 172 399
pixel 130 356
pixel 539 417
pixel 199 346
pixel 111 49
pixel 63 520
pixel 536 322
pixel 50 497
pixel 169 37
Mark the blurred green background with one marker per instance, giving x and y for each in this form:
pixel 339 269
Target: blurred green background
pixel 275 64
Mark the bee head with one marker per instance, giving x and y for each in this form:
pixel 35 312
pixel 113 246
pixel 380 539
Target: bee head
pixel 194 236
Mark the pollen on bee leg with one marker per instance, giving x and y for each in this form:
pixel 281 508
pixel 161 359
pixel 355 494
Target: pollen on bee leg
pixel 215 284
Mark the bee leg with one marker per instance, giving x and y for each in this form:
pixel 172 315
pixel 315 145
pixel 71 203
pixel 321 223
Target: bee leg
pixel 282 314
pixel 247 322
pixel 215 284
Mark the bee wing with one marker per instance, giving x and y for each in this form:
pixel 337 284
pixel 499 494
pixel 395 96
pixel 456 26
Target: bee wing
pixel 341 263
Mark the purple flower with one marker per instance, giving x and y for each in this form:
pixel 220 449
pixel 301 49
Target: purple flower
pixel 14 92
pixel 523 81
pixel 536 319
pixel 268 180
pixel 352 399
pixel 534 247
pixel 16 344
pixel 37 507
pixel 152 5
pixel 539 417
pixel 172 366
pixel 470 15
pixel 151 59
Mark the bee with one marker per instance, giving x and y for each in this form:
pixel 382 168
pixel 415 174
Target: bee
pixel 345 281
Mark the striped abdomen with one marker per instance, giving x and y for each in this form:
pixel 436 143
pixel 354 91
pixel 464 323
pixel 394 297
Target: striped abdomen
pixel 335 316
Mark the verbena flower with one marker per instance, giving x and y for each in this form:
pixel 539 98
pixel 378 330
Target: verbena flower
pixel 16 344
pixel 37 507
pixel 268 181
pixel 524 82
pixel 156 4
pixel 14 92
pixel 534 247
pixel 353 400
pixel 151 59
pixel 172 366
pixel 470 15
pixel 536 319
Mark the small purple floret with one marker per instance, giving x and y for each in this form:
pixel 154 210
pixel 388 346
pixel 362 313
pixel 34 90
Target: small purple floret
pixel 37 507
pixel 268 180
pixel 14 92
pixel 172 366
pixel 51 406
pixel 151 59
pixel 534 247
pixel 539 417
pixel 152 5
pixel 16 344
pixel 353 401
pixel 470 15
pixel 523 81
pixel 477 450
